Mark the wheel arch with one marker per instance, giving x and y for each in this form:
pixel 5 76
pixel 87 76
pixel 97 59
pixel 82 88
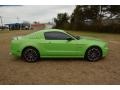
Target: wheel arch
pixel 30 47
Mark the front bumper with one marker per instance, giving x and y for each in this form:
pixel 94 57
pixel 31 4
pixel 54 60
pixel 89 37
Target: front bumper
pixel 105 51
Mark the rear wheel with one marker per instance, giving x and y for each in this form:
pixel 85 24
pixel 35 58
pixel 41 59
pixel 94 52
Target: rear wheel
pixel 30 54
pixel 93 54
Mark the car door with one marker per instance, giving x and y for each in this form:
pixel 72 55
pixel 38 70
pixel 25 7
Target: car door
pixel 56 44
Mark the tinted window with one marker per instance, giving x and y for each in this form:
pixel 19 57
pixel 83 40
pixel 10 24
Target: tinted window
pixel 56 36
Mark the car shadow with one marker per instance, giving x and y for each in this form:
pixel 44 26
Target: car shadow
pixel 68 60
pixel 61 59
pixel 18 59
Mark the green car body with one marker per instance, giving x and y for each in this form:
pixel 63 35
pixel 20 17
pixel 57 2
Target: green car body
pixel 50 48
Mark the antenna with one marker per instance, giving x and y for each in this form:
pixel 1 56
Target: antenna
pixel 18 21
pixel 1 22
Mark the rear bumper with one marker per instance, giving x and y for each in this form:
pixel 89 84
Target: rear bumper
pixel 15 53
pixel 14 48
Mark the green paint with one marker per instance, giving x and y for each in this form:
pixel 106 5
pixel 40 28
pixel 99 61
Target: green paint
pixel 56 48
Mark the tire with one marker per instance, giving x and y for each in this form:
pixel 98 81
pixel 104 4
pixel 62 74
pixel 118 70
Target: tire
pixel 30 54
pixel 93 54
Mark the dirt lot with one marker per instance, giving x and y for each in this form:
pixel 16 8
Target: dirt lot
pixel 60 71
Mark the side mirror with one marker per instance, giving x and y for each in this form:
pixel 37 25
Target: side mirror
pixel 77 37
pixel 69 39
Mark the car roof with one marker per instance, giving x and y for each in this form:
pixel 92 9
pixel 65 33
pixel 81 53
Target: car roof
pixel 40 32
pixel 48 30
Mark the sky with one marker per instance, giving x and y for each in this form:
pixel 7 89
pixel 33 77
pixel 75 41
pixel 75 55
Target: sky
pixel 31 13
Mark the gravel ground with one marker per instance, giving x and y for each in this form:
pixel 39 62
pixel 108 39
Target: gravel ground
pixel 60 71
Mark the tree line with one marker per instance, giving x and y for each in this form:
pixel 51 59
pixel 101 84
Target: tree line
pixel 98 18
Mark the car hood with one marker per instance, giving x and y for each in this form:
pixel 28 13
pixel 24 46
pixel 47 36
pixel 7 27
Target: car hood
pixel 90 38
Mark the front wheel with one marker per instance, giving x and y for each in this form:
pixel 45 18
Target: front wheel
pixel 30 55
pixel 93 54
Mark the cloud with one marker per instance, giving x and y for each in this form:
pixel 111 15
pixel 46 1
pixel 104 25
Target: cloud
pixel 42 13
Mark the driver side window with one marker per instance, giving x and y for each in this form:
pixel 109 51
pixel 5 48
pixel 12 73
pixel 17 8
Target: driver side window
pixel 54 35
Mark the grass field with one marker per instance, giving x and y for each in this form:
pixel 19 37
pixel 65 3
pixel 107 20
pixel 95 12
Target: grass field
pixel 60 71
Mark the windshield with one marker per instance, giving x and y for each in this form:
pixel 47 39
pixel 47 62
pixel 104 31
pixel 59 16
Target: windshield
pixel 77 37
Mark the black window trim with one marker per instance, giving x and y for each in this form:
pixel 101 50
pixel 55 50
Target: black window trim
pixel 60 32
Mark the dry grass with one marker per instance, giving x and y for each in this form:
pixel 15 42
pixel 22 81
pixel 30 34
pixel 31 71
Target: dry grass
pixel 60 71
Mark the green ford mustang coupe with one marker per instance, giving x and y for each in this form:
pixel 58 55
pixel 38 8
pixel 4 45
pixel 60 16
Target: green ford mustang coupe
pixel 55 43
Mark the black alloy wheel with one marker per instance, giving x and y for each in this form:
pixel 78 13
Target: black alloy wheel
pixel 30 55
pixel 93 54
